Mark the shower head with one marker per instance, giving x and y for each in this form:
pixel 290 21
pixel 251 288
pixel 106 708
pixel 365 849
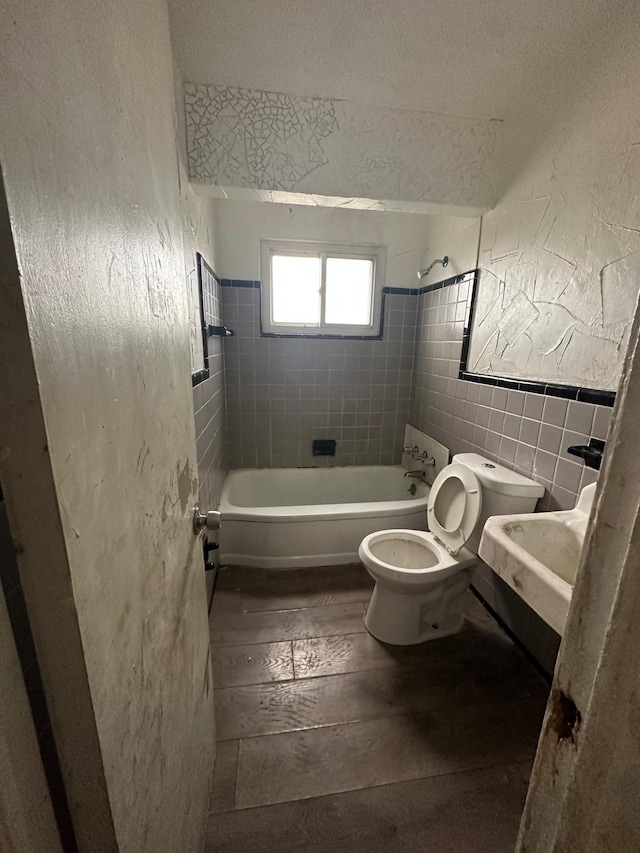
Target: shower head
pixel 444 261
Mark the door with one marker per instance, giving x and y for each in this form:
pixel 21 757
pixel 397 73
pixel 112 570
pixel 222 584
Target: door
pixel 97 444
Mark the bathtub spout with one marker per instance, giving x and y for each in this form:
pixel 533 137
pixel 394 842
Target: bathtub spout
pixel 416 475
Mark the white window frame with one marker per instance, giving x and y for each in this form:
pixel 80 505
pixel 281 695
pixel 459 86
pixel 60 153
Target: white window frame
pixel 269 248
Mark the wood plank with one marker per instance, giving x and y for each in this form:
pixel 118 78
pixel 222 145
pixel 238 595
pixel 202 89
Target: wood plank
pixel 234 630
pixel 242 577
pixel 223 793
pixel 261 590
pixel 473 647
pixel 476 811
pixel 253 664
pixel 378 752
pixel 333 591
pixel 226 601
pixel 262 709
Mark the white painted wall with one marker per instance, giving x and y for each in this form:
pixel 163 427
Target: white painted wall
pixel 560 254
pixel 456 237
pixel 408 238
pixel 87 144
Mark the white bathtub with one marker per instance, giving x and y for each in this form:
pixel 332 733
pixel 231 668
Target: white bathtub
pixel 288 517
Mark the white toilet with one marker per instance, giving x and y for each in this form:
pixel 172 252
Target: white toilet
pixel 421 577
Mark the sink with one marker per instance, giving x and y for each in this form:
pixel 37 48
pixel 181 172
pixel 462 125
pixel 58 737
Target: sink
pixel 537 555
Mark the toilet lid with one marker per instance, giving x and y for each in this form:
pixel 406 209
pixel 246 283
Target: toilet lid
pixel 454 505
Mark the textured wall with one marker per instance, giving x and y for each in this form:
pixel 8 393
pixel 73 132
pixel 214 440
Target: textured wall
pixel 560 255
pixel 271 141
pixel 88 152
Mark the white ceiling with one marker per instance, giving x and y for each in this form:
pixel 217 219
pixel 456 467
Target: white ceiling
pixel 479 58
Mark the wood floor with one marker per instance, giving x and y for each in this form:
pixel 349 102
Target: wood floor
pixel 331 741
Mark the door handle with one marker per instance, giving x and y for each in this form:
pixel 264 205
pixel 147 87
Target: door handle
pixel 209 521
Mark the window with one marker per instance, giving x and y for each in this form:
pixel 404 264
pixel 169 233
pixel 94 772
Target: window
pixel 320 289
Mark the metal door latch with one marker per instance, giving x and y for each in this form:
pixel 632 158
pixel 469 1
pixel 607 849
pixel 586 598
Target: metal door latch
pixel 209 521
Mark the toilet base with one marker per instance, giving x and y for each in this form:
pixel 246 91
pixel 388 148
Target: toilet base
pixel 408 619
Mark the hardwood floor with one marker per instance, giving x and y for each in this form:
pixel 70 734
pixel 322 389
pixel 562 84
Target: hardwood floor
pixel 329 740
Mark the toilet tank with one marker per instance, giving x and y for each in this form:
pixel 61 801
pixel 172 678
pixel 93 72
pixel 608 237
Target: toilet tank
pixel 504 492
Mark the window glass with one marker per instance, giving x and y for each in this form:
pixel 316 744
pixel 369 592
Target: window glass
pixel 295 289
pixel 312 289
pixel 348 291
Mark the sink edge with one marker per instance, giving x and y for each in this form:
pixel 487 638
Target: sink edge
pixel 544 591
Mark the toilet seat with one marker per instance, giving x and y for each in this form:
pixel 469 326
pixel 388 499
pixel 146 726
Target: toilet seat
pixel 454 506
pixel 437 562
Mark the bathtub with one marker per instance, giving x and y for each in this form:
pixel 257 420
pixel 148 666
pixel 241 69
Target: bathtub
pixel 288 517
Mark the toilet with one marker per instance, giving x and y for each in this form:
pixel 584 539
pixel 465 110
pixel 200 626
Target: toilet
pixel 421 577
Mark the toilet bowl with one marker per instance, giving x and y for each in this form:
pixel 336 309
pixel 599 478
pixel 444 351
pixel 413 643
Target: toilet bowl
pixel 421 577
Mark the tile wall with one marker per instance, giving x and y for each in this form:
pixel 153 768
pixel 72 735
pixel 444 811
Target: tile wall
pixel 523 431
pixel 209 406
pixel 284 392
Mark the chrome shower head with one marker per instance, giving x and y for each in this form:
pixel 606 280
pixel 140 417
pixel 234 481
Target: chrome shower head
pixel 444 261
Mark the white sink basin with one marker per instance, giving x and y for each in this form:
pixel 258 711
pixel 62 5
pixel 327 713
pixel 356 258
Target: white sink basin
pixel 538 554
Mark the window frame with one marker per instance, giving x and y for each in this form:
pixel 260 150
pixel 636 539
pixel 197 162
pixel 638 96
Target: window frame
pixel 376 254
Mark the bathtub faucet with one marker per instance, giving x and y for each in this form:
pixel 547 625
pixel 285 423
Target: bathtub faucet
pixel 425 459
pixel 415 475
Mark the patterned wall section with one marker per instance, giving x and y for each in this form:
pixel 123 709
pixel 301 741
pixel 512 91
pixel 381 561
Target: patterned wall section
pixel 560 257
pixel 272 141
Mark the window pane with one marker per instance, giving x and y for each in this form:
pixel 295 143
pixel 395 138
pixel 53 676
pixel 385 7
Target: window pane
pixel 295 289
pixel 349 291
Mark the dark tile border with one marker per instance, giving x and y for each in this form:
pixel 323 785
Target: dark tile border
pixel 256 285
pixel 238 282
pixel 548 389
pixel 202 266
pixel 386 291
pixel 429 288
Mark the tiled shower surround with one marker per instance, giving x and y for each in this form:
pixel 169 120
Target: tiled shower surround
pixel 209 407
pixel 284 392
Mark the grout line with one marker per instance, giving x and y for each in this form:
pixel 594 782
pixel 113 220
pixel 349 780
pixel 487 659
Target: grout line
pixel 306 607
pixel 446 703
pixel 507 764
pixel 224 645
pixel 293 663
pixel 484 704
pixel 235 786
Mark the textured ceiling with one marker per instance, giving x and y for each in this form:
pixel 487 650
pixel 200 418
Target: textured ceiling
pixel 520 61
pixel 478 58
